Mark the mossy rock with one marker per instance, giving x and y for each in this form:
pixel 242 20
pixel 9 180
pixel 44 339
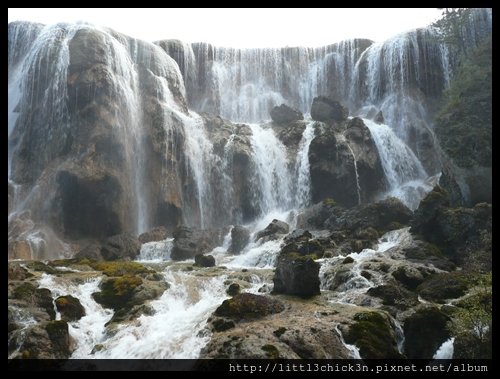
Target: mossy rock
pixel 348 260
pixel 329 202
pixel 116 292
pixel 444 286
pixel 40 297
pixel 42 267
pixel 70 307
pixel 247 306
pixel 279 332
pixel 119 268
pixel 373 335
pixel 394 295
pixel 408 276
pixel 59 337
pixel 271 351
pixel 233 289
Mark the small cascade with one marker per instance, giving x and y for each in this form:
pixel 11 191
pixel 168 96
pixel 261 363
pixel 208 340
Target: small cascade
pixel 445 351
pixel 272 180
pixel 156 251
pixel 302 172
pixel 358 187
pixel 403 170
pixel 353 349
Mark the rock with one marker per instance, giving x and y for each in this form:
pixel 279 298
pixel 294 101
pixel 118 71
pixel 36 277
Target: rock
pixel 379 118
pixel 239 239
pixel 296 275
pixel 38 297
pixel 444 286
pixel 284 114
pixel 394 296
pixel 425 330
pixel 91 251
pixel 120 268
pixel 347 260
pixel 59 337
pixel 121 246
pixel 156 234
pixel 189 242
pixel 16 272
pixel 373 334
pixel 204 260
pixel 70 308
pixel 247 306
pixel 424 252
pixel 408 276
pixel 19 250
pixel 327 110
pixel 117 292
pixel 233 289
pixel 272 230
pixel 298 235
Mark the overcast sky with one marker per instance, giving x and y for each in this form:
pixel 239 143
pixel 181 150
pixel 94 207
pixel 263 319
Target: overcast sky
pixel 243 27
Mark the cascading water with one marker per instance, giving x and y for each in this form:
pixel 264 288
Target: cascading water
pixel 404 172
pixel 302 173
pixel 445 351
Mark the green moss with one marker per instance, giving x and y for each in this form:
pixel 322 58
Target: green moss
pixel 279 332
pixel 271 351
pixel 373 335
pixel 117 292
pixel 329 202
pixel 348 260
pixel 119 268
pixel 24 291
pixel 40 266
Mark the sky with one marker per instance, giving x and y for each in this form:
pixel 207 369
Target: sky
pixel 240 27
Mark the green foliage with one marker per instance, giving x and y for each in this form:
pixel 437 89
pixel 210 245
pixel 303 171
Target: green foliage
pixel 471 323
pixel 451 24
pixel 464 122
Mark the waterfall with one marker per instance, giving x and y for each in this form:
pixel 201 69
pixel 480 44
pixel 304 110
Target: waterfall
pixel 271 178
pixel 358 187
pixel 157 251
pixel 302 173
pixel 403 170
pixel 445 351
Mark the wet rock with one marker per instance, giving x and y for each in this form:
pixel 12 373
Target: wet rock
pixel 91 251
pixel 394 296
pixel 16 272
pixel 19 250
pixel 409 276
pixel 32 296
pixel 284 114
pixel 240 236
pixel 379 118
pixel 70 308
pixel 233 289
pixel 328 110
pixel 204 260
pixel 425 331
pixel 248 306
pixel 296 275
pixel 443 286
pixel 59 337
pixel 156 234
pixel 373 334
pixel 275 228
pixel 117 292
pixel 121 246
pixel 189 242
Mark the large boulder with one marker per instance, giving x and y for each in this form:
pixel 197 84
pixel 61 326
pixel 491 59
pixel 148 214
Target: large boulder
pixel 444 286
pixel 122 246
pixel 284 114
pixel 156 234
pixel 247 306
pixel 240 236
pixel 328 110
pixel 273 230
pixel 425 330
pixel 190 242
pixel 296 275
pixel 204 260
pixel 70 308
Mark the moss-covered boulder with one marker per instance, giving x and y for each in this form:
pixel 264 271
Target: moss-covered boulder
pixel 204 260
pixel 408 276
pixel 373 334
pixel 394 295
pixel 117 292
pixel 16 272
pixel 70 308
pixel 444 286
pixel 39 297
pixel 425 330
pixel 59 336
pixel 247 306
pixel 119 268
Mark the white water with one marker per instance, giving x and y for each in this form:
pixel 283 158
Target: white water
pixel 404 171
pixel 353 349
pixel 445 351
pixel 302 172
pixel 156 251
pixel 272 177
pixel 358 187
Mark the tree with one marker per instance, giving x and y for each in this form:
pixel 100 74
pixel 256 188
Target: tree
pixel 451 26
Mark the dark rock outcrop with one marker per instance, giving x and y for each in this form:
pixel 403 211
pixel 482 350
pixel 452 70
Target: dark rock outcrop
pixel 275 228
pixel 156 234
pixel 239 239
pixel 121 246
pixel 296 275
pixel 284 114
pixel 328 110
pixel 247 306
pixel 444 286
pixel 204 260
pixel 70 308
pixel 189 242
pixel 425 331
